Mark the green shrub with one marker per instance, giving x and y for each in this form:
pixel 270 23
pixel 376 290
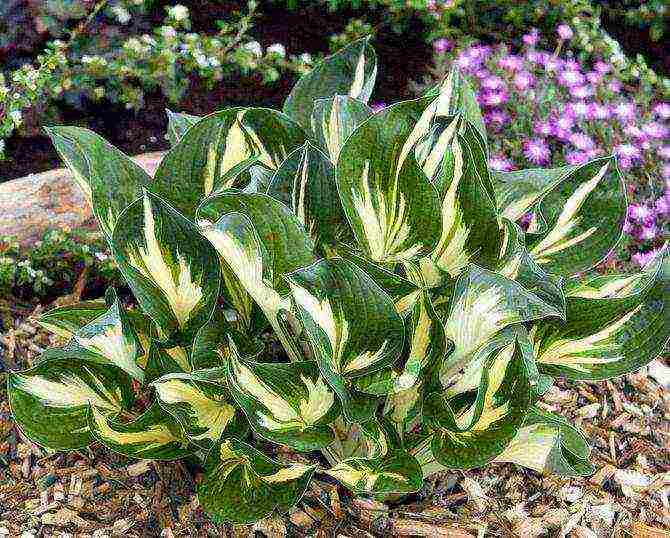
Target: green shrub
pixel 420 324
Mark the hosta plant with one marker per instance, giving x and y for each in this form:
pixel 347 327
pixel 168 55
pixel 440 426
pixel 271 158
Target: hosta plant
pixel 329 279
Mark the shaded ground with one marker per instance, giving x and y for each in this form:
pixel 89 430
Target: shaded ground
pixel 96 493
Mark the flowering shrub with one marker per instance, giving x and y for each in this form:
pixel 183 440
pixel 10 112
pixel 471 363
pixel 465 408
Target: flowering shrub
pixel 543 107
pixel 139 63
pixel 419 323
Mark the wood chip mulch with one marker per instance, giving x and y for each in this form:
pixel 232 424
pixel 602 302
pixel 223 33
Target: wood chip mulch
pixel 95 493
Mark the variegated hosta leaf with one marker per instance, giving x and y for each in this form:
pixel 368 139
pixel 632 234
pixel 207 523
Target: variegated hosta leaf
pixel 50 401
pixel 242 485
pixel 109 179
pixel 107 339
pixel 548 443
pixel 473 434
pixel 178 124
pixel 351 324
pixel 518 191
pixel 258 239
pixel 403 292
pixel 203 408
pixel 334 119
pixel 517 264
pixel 305 182
pixel 396 472
pixel 470 229
pixel 162 361
pixel 581 219
pixel 196 167
pixel 455 95
pixel 153 435
pixel 173 271
pixel 64 321
pixel 610 336
pixel 284 403
pixel 350 71
pixel 390 203
pixel 483 304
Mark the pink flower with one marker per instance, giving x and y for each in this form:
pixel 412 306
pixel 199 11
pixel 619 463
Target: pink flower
pixel 565 122
pixel 576 157
pixel 376 107
pixel 442 45
pixel 601 67
pixel 531 38
pixel 543 128
pixel 497 118
pixel 625 111
pixel 653 129
pixel 614 86
pixel 536 151
pixel 597 111
pixel 582 141
pixel 645 258
pixel 639 213
pixel 635 132
pixel 648 233
pixel 581 92
pixel 510 62
pixel 664 152
pixel 552 64
pixel 500 163
pixel 564 31
pixel 662 206
pixel 492 82
pixel 523 80
pixel 594 77
pixel 494 98
pixel 570 78
pixel 665 174
pixel 578 108
pixel 662 110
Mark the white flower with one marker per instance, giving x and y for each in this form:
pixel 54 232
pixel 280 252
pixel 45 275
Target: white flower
pixel 277 48
pixel 2 146
pixel 168 32
pixel 178 12
pixel 254 47
pixel 121 13
pixel 306 57
pixel 201 60
pixel 214 62
pixel 16 116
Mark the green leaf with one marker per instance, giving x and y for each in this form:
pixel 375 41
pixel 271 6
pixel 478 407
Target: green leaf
pixel 203 408
pixel 305 182
pixel 289 404
pixel 162 361
pixel 470 229
pixel 391 205
pixel 258 254
pixel 152 435
pixel 518 191
pixel 107 339
pixel 351 71
pixel 50 401
pixel 604 337
pixel 334 119
pixel 178 124
pixel 483 304
pixel 474 434
pixel 455 94
pixel 109 179
pixel 517 264
pixel 173 271
pixel 197 166
pixel 242 485
pixel 581 220
pixel 397 472
pixel 64 321
pixel 351 323
pixel 547 443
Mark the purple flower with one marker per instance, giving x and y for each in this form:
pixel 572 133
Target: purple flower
pixel 466 62
pixel 562 134
pixel 552 64
pixel 665 174
pixel 492 82
pixel 565 122
pixel 494 98
pixel 523 80
pixel 635 132
pixel 482 73
pixel 500 163
pixel 601 67
pixel 581 92
pixel 564 31
pixel 534 56
pixel 532 37
pixel 644 258
pixel 614 86
pixel 664 152
pixel 598 111
pixel 594 77
pixel 662 206
pixel 625 111
pixel 511 62
pixel 576 157
pixel 376 107
pixel 543 128
pixel 648 233
pixel 497 117
pixel 662 110
pixel 536 151
pixel 628 150
pixel 442 45
pixel 578 108
pixel 572 65
pixel 582 141
pixel 570 78
pixel 653 129
pixel 639 213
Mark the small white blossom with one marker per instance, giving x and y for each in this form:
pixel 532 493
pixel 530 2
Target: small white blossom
pixel 16 116
pixel 306 57
pixel 214 62
pixel 178 12
pixel 122 14
pixel 168 32
pixel 277 48
pixel 254 47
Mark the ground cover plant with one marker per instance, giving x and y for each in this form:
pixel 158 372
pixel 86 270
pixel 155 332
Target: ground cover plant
pixel 330 279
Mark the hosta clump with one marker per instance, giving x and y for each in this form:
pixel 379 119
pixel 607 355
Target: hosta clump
pixel 420 324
